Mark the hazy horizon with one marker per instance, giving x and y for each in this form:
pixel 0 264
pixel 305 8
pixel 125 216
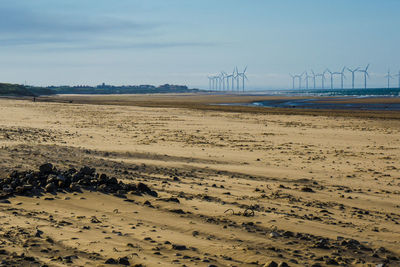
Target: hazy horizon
pixel 47 42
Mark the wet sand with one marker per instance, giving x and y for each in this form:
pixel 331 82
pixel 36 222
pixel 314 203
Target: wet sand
pixel 214 102
pixel 236 186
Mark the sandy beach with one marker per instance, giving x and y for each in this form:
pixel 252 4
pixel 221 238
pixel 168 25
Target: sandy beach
pixel 236 186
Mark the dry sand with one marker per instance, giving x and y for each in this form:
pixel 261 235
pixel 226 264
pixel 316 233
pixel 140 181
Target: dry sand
pixel 323 189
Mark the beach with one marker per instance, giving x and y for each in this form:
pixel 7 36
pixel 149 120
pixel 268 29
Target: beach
pixel 236 186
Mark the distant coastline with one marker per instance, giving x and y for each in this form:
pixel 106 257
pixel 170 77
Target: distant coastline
pixel 17 90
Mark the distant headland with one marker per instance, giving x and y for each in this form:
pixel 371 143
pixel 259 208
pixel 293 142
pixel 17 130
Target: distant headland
pixel 7 89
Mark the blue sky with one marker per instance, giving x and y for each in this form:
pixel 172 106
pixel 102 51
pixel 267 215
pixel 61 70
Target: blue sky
pixel 53 42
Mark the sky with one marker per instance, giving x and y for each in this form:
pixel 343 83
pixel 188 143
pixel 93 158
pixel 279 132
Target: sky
pixel 88 42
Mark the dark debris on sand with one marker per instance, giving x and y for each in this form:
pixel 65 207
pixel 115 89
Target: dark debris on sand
pixel 52 180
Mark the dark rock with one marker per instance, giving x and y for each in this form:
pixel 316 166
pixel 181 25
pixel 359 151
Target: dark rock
pixel 94 220
pixel 28 258
pixel 288 234
pixel 307 189
pixel 124 261
pixel 271 264
pixel 171 199
pixel 74 187
pixel 147 203
pixel 179 211
pixel 322 244
pixel 87 171
pixel 331 261
pixel 112 181
pixel 111 261
pixel 38 233
pixel 143 188
pixel 51 187
pixel 46 168
pixel 179 247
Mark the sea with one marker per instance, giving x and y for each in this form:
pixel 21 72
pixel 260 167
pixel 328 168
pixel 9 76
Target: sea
pixel 322 99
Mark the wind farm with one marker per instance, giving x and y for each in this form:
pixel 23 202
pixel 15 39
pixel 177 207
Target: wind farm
pixel 352 72
pixel 220 82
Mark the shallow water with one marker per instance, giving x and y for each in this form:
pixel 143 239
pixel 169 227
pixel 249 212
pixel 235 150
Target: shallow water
pixel 313 104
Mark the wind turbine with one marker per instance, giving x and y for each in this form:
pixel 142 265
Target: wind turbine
pixel 306 78
pixel 365 75
pixel 352 76
pixel 293 78
pixel 227 81
pixel 331 73
pixel 322 75
pixel 300 78
pixel 399 77
pixel 243 75
pixel 313 76
pixel 237 79
pixel 223 75
pixel 388 76
pixel 342 76
pixel 233 78
pixel 209 82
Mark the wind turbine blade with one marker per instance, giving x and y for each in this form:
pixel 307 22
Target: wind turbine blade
pixel 367 67
pixel 245 69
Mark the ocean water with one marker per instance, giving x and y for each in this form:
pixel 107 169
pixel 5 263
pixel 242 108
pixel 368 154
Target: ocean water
pixel 370 92
pixel 323 104
pixel 310 102
pixel 389 92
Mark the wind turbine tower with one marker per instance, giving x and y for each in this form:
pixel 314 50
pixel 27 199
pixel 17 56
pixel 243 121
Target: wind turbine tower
pixel 227 81
pixel 313 76
pixel 388 76
pixel 342 76
pixel 365 75
pixel 399 77
pixel 331 73
pixel 352 76
pixel 209 83
pixel 243 75
pixel 237 79
pixel 322 75
pixel 306 78
pixel 300 79
pixel 223 80
pixel 293 78
pixel 233 78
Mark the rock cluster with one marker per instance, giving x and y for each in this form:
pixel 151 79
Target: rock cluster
pixel 49 179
